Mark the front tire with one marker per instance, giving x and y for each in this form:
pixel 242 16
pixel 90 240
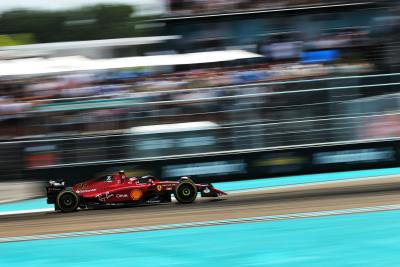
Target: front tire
pixel 67 201
pixel 186 192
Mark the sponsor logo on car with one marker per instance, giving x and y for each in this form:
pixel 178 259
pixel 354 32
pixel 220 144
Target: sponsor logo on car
pixel 136 194
pixel 86 190
pixel 159 187
pixel 103 197
pixel 121 195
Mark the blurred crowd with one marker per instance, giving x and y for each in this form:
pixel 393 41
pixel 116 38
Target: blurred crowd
pixel 50 99
pixel 55 99
pixel 285 57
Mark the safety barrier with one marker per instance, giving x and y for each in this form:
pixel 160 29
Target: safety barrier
pixel 241 164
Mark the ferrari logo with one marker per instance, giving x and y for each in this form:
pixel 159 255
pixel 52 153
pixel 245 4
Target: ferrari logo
pixel 159 187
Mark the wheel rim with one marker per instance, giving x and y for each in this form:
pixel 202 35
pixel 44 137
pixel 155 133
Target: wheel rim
pixel 186 192
pixel 67 200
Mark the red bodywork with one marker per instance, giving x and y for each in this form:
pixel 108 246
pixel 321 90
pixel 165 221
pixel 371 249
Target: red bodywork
pixel 117 189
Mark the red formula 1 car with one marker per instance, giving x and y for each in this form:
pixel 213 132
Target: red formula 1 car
pixel 116 189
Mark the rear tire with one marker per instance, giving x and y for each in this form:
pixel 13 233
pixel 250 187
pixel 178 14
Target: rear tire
pixel 67 201
pixel 185 191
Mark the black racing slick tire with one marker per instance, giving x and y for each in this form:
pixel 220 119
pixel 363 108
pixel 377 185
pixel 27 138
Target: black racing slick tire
pixel 185 191
pixel 67 201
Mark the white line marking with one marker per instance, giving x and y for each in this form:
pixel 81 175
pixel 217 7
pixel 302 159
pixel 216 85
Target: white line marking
pixel 25 211
pixel 202 224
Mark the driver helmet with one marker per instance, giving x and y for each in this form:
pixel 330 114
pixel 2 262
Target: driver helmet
pixel 122 174
pixel 148 178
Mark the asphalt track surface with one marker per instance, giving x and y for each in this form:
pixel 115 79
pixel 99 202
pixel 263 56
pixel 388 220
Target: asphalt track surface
pixel 310 198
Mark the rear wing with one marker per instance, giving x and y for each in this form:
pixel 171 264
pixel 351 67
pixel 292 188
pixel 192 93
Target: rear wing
pixel 53 188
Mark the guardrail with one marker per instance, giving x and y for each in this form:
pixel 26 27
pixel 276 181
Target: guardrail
pixel 128 146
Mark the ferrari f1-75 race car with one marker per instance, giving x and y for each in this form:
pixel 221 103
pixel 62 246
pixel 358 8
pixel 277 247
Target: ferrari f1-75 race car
pixel 118 190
